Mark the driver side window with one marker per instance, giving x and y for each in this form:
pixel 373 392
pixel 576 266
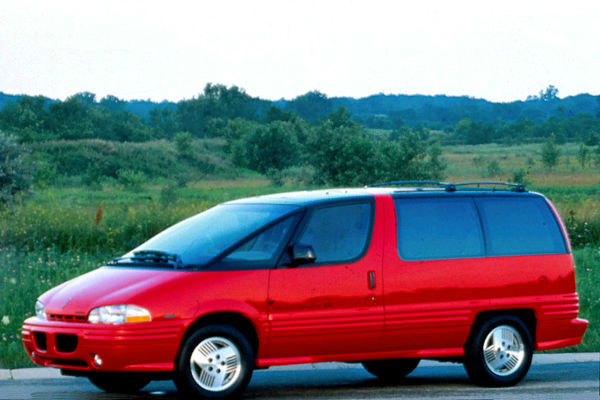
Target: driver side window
pixel 338 233
pixel 264 248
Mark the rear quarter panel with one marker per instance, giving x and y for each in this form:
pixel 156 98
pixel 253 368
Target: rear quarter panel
pixel 430 306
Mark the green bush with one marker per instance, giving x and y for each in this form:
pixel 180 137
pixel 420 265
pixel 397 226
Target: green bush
pixel 493 168
pixel 183 144
pixel 15 173
pixel 347 155
pixel 99 158
pixel 130 179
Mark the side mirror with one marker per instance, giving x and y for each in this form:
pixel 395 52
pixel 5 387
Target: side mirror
pixel 302 254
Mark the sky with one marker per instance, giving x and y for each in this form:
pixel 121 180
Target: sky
pixel 159 50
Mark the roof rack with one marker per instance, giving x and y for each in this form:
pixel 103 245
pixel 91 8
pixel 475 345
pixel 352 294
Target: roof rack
pixel 452 187
pixel 516 187
pixel 400 183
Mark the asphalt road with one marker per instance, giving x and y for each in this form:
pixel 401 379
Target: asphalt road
pixel 446 381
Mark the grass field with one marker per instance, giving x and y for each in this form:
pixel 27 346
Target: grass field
pixel 64 231
pixel 473 162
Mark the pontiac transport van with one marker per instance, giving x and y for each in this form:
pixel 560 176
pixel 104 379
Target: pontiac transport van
pixel 384 275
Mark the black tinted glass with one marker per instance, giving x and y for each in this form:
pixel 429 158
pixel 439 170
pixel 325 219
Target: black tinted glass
pixel 519 226
pixel 338 233
pixel 438 228
pixel 200 238
pixel 264 248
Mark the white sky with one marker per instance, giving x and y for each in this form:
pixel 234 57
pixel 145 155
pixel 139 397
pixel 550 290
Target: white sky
pixel 498 50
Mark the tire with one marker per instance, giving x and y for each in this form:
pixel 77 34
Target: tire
pixel 500 352
pixel 391 370
pixel 119 382
pixel 215 362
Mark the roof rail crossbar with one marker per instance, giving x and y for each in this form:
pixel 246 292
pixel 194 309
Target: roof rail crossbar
pixel 517 187
pixel 451 187
pixel 417 182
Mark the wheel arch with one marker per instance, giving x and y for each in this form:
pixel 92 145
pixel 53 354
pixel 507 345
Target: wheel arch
pixel 231 318
pixel 525 315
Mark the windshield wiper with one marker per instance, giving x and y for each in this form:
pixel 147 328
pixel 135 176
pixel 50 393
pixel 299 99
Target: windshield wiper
pixel 150 257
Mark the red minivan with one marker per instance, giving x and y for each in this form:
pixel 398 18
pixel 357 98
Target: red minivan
pixel 383 275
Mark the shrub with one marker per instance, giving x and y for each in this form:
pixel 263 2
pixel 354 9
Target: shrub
pixel 131 180
pixel 550 153
pixel 183 144
pixel 15 173
pixel 493 168
pixel 478 161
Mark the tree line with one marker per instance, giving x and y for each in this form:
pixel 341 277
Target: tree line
pixel 456 120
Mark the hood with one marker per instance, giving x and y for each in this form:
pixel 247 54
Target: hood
pixel 104 286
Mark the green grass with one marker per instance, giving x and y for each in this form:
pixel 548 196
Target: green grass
pixel 587 272
pixel 472 162
pixel 24 275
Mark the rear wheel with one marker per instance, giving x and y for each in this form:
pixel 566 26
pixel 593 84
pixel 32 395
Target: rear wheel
pixel 119 382
pixel 215 362
pixel 500 352
pixel 391 370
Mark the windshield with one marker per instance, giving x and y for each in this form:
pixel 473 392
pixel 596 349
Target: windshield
pixel 200 238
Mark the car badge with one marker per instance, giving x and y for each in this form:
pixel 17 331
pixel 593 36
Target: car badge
pixel 66 302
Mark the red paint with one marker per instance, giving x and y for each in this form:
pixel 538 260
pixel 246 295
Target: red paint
pixel 311 314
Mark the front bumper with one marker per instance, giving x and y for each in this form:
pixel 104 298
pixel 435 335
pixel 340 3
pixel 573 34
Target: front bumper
pixel 141 347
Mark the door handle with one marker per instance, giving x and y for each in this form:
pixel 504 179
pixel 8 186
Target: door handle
pixel 371 280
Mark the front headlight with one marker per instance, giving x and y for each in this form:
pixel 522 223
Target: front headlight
pixel 119 314
pixel 40 310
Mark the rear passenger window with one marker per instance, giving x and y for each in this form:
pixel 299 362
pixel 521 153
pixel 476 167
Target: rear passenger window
pixel 519 226
pixel 438 228
pixel 338 233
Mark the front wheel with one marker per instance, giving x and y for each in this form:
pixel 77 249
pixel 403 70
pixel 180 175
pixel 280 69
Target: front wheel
pixel 118 382
pixel 215 362
pixel 391 370
pixel 500 352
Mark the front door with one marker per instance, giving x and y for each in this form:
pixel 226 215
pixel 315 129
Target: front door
pixel 334 305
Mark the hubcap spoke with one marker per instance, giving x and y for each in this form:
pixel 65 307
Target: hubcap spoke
pixel 227 352
pixel 497 338
pixel 219 379
pixel 206 348
pixel 205 377
pixel 511 363
pixel 199 359
pixel 497 364
pixel 489 354
pixel 231 364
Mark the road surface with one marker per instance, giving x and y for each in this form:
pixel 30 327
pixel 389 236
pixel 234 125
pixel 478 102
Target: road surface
pixel 346 381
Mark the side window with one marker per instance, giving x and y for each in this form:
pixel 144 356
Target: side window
pixel 264 248
pixel 438 228
pixel 338 233
pixel 519 226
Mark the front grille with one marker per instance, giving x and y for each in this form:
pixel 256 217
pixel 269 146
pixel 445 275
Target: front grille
pixel 40 340
pixel 66 317
pixel 66 343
